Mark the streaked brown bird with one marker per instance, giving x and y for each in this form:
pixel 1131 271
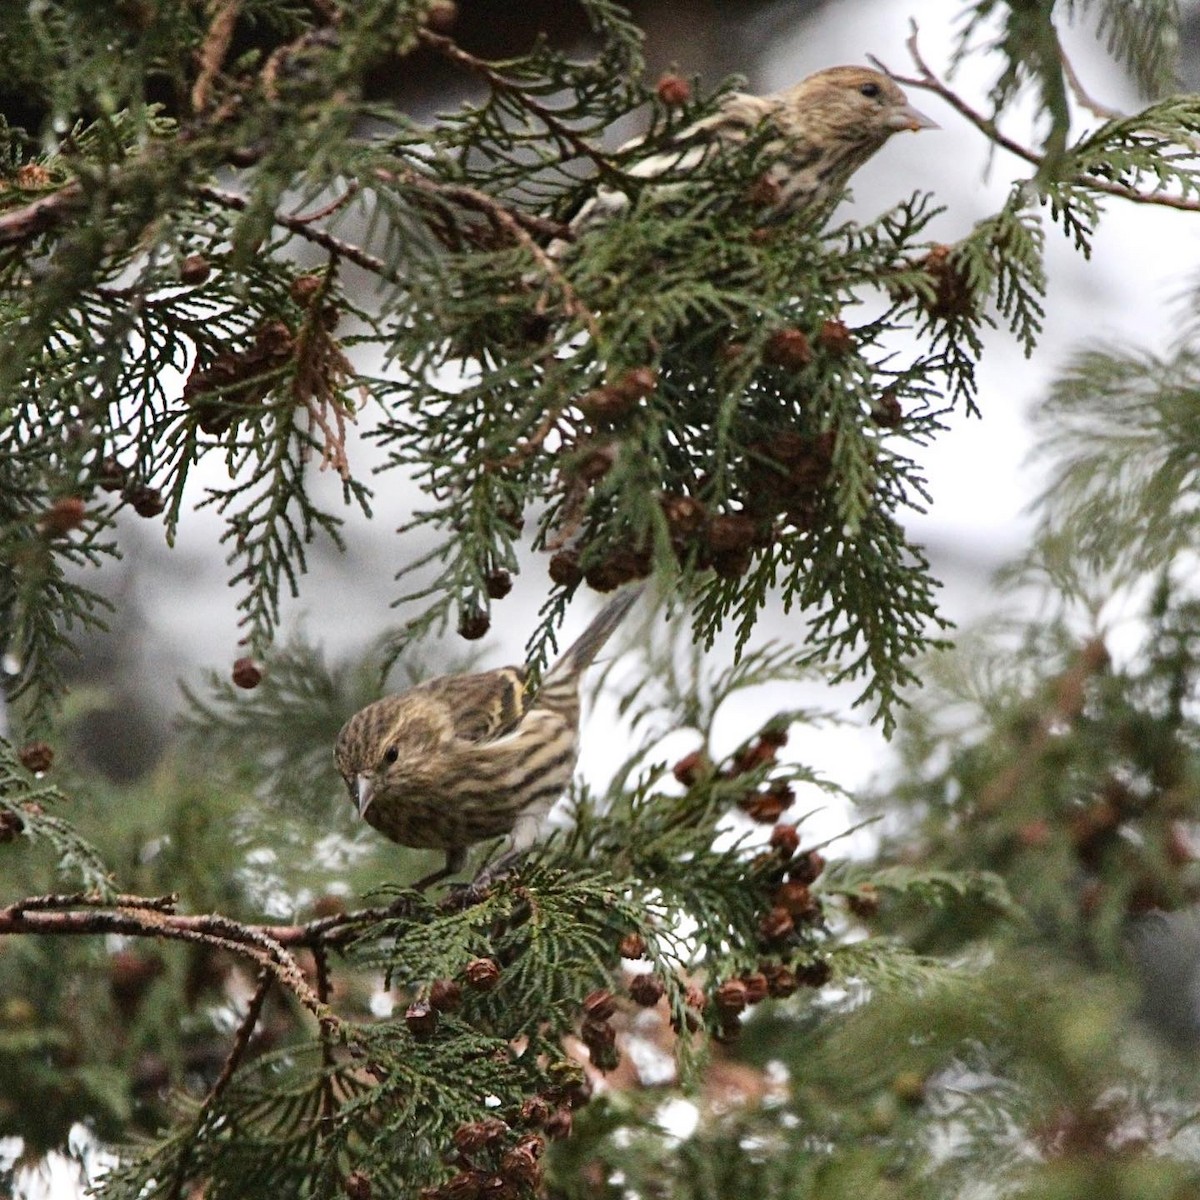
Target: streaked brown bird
pixel 462 758
pixel 816 135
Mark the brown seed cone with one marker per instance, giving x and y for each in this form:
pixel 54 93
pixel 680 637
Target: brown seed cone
pixel 864 903
pixel 520 1164
pixel 466 1185
pixel 730 997
pixel 597 1035
pixel 498 584
pixel 599 1005
pixel 36 756
pixel 111 474
pixel 621 566
pixel 646 990
pixel 65 514
pixel 146 501
pixel 835 337
pixel 692 767
pixel 784 840
pixel 558 1124
pixel 535 1111
pixel 776 925
pixel 10 826
pixel 806 867
pixel 421 1018
pixel 796 899
pixel 788 348
pixel 782 983
pixel 673 89
pixel 607 405
pixel 813 974
pixel 564 568
pixel 476 1135
pixel 632 945
pixel 685 515
pixel 730 532
pixel 247 673
pixel 482 974
pixel 756 987
pixel 473 624
pixel 887 411
pixel 194 269
pixel 304 288
pixel 445 995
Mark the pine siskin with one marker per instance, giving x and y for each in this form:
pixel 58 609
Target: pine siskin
pixel 821 131
pixel 462 758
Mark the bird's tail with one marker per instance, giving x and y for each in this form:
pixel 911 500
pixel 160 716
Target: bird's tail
pixel 563 676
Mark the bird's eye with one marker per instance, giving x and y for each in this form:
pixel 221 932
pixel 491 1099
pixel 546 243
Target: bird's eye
pixel 391 754
pixel 869 89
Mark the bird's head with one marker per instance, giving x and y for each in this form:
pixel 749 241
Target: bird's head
pixel 853 104
pixel 388 747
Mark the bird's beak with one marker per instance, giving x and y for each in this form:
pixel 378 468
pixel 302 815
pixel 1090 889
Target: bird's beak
pixel 362 794
pixel 907 117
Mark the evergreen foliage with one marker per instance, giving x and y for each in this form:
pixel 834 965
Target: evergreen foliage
pixel 212 232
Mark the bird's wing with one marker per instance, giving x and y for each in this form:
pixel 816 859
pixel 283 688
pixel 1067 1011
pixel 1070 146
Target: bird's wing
pixel 481 707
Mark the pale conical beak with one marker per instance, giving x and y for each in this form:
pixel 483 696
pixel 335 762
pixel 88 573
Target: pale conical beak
pixel 907 117
pixel 362 794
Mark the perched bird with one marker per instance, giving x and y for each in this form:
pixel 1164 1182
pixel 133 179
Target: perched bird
pixel 816 135
pixel 463 758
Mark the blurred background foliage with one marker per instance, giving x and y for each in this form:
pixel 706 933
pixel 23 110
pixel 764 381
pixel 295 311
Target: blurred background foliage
pixel 999 994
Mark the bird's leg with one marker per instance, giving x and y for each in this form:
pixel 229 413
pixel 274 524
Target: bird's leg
pixel 454 863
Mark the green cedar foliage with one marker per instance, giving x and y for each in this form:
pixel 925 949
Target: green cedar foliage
pixel 208 224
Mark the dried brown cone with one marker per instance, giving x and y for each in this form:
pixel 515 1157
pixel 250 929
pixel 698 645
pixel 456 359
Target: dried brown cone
pixel 782 982
pixel 797 899
pixel 421 1018
pixel 36 756
pixel 535 1111
pixel 194 269
pixel 599 1005
pixel 146 501
pixel 466 1185
pixel 693 767
pixel 685 515
pixel 835 336
pixel 474 624
pixel 730 532
pixel 806 867
pixel 632 945
pixel 564 568
pixel 673 89
pixel 607 405
pixel 776 925
pixel 477 1135
pixel 814 974
pixel 111 474
pixel 445 995
pixel 558 1124
pixel 620 566
pixel 864 903
pixel 521 1164
pixel 65 514
pixel 784 840
pixel 498 584
pixel 756 987
pixel 887 411
pixel 646 990
pixel 10 826
pixel 788 348
pixel 482 974
pixel 247 673
pixel 730 998
pixel 953 296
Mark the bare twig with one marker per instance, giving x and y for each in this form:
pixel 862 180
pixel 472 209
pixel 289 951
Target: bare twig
pixel 450 49
pixel 1081 97
pixel 241 1039
pixel 39 216
pixel 213 50
pixel 302 228
pixel 927 81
